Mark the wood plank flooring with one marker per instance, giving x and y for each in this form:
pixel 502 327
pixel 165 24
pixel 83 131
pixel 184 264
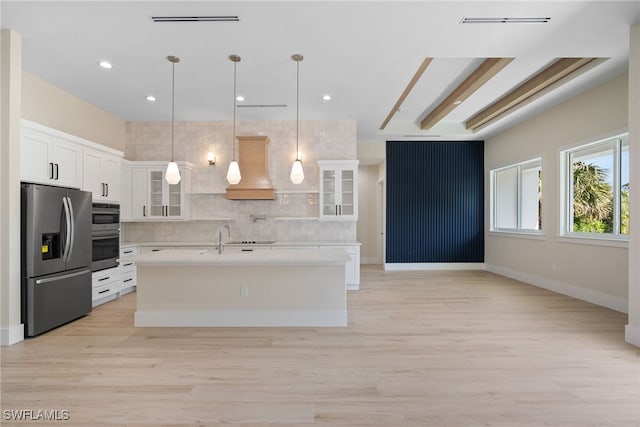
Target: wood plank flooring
pixel 439 349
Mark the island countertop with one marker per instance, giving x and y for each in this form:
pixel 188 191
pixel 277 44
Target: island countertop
pixel 211 257
pixel 212 244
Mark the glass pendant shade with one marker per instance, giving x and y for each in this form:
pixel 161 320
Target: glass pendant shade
pixel 297 174
pixel 172 176
pixel 233 173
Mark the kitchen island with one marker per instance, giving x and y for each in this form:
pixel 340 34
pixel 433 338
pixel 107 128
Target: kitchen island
pixel 201 288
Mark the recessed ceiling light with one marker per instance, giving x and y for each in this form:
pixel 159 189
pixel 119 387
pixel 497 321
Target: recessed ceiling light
pixel 240 98
pixel 457 102
pixel 326 97
pixel 150 98
pixel 105 64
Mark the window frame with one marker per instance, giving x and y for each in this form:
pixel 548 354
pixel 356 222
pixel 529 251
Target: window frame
pixel 493 228
pixel 565 232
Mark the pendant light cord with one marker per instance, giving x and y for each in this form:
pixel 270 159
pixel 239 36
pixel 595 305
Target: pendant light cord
pixel 297 107
pixel 234 111
pixel 173 90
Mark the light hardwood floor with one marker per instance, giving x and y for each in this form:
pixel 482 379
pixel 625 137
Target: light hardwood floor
pixel 421 349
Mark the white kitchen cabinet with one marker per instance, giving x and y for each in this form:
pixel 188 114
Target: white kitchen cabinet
pixel 155 199
pixel 48 159
pixel 125 191
pixel 338 189
pixel 128 271
pixel 105 285
pixel 101 175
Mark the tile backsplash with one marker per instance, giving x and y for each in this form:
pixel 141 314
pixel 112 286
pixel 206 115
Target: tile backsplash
pixel 291 217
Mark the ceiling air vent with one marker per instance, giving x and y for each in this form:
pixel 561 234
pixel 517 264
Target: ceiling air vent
pixel 261 105
pixel 505 20
pixel 230 18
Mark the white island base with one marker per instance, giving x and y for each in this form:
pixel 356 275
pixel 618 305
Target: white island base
pixel 279 288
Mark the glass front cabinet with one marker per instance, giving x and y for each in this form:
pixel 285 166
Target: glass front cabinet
pixel 338 189
pixel 154 198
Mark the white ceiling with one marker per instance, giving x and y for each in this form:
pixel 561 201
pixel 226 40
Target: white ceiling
pixel 363 53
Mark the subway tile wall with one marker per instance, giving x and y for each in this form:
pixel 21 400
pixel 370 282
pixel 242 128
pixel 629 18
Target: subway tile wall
pixel 291 217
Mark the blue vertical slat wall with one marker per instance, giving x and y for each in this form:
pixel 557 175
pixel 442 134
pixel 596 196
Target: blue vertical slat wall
pixel 435 202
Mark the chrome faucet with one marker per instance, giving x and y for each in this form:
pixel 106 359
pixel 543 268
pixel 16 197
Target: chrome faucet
pixel 220 244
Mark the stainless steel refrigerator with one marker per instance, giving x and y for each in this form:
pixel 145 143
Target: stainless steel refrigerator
pixel 56 256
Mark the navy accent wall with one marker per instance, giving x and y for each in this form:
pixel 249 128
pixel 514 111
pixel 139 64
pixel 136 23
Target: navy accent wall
pixel 435 202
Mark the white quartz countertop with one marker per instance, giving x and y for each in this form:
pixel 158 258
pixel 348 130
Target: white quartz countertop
pixel 210 244
pixel 211 257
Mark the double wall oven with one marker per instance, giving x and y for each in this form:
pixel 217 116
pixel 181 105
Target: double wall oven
pixel 105 235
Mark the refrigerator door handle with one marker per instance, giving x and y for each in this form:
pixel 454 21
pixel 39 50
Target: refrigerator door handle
pixel 67 219
pixel 66 276
pixel 73 228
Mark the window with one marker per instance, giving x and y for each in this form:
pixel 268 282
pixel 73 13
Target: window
pixel 516 197
pixel 597 189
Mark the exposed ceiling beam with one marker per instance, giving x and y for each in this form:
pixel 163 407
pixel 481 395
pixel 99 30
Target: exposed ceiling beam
pixel 555 72
pixel 485 71
pixel 406 91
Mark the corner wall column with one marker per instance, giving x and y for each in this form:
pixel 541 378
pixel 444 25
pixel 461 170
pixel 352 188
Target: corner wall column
pixel 11 329
pixel 632 330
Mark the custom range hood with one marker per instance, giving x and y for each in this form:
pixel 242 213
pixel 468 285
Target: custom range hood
pixel 254 169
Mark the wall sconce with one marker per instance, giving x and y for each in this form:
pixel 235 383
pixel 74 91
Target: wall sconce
pixel 211 158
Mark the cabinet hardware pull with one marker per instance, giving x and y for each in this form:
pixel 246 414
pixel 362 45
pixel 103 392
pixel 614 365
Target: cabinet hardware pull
pixel 127 265
pixel 50 170
pixel 107 185
pixel 127 252
pixel 127 280
pixel 106 290
pixel 102 183
pixel 57 175
pixel 144 210
pixel 104 278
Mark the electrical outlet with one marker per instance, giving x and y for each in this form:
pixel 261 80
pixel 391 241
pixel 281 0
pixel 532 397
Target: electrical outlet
pixel 244 291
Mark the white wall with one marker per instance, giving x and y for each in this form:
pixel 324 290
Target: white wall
pixel 632 330
pixel 11 330
pixel 48 105
pixel 592 272
pixel 368 215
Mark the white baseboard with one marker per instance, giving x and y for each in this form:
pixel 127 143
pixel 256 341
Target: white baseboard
pixel 240 318
pixel 594 297
pixel 11 335
pixel 632 335
pixel 434 266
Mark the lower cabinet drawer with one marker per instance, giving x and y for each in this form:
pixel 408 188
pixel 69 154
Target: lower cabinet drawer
pixel 105 290
pixel 126 266
pixel 128 279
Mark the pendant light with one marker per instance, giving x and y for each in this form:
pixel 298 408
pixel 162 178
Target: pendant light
pixel 172 176
pixel 297 174
pixel 233 173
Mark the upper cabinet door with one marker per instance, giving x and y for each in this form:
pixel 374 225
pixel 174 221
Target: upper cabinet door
pixel 111 174
pixel 101 175
pixel 338 189
pixel 67 158
pixel 91 178
pixel 139 194
pixel 36 163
